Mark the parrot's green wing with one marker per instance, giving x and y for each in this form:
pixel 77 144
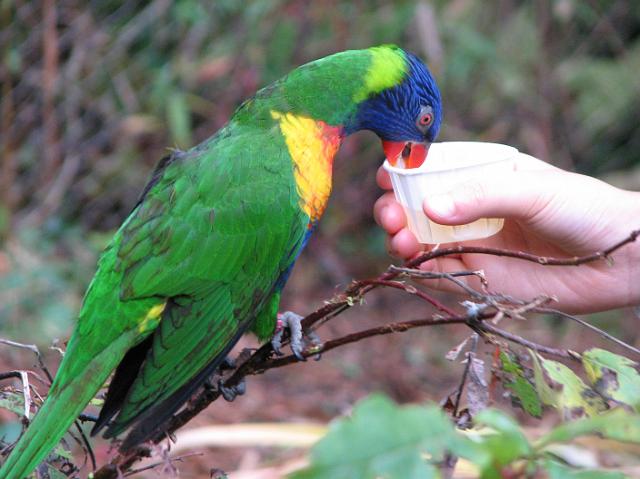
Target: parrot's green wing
pixel 206 252
pixel 211 237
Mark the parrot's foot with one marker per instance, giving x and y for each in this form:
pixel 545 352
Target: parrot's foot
pixel 213 383
pixel 299 343
pixel 230 393
pixel 227 364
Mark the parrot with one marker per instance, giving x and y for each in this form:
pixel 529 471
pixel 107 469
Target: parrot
pixel 206 251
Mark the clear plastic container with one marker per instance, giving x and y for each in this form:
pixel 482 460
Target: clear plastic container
pixel 449 165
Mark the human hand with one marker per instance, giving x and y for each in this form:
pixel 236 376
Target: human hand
pixel 548 212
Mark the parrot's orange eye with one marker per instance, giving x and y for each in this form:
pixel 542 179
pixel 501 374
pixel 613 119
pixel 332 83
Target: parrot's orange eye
pixel 426 119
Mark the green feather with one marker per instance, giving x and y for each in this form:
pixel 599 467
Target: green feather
pixel 198 261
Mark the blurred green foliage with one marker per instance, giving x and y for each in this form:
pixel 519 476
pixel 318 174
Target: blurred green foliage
pixel 381 439
pixel 81 132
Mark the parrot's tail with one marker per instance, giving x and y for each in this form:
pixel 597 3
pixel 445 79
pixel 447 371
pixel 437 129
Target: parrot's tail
pixel 67 399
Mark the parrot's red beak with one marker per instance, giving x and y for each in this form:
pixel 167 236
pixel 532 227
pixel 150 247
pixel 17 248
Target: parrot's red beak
pixel 405 154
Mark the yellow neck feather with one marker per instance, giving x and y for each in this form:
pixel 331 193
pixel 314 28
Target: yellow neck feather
pixel 312 145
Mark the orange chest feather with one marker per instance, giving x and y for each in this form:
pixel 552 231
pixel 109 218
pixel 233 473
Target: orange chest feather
pixel 312 146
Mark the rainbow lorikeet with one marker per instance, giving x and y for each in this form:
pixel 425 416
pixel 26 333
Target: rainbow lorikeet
pixel 206 251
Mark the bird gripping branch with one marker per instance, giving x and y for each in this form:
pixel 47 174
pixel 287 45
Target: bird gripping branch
pixel 207 249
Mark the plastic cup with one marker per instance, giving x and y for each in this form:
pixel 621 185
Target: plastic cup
pixel 449 165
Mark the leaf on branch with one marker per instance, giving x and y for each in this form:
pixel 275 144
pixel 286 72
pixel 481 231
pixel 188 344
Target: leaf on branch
pixel 617 424
pixel 514 379
pixel 559 387
pixel 381 439
pixel 61 451
pixel 477 387
pixel 615 377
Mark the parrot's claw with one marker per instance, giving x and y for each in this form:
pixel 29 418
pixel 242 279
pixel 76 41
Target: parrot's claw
pixel 230 393
pixel 290 320
pixel 227 364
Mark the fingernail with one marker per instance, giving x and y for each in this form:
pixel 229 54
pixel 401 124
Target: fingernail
pixel 442 205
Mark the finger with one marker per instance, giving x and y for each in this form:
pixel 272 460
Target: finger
pixel 519 194
pixel 524 161
pixel 381 204
pixel 390 215
pixel 404 244
pixel 383 179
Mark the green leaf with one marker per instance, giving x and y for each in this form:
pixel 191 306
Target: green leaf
pixel 62 452
pixel 557 470
pixel 381 439
pixel 508 442
pixel 564 390
pixel 519 385
pixel 617 424
pixel 613 376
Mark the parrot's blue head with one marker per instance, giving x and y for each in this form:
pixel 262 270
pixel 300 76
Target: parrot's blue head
pixel 406 115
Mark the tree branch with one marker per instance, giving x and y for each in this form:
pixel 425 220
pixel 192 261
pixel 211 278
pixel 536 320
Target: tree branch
pixel 496 307
pixel 590 326
pixel 514 338
pixel 543 260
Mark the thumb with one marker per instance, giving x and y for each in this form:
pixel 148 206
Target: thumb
pixel 516 194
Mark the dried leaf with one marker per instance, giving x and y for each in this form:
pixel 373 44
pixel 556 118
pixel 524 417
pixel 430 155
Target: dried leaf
pixel 477 387
pixel 453 354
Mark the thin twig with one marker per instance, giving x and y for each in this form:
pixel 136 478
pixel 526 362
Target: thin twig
pixel 544 260
pixel 453 277
pixel 514 338
pixel 153 466
pixel 469 358
pixel 34 349
pixel 409 289
pixel 390 328
pixel 261 360
pixel 87 418
pixel 86 445
pixel 417 273
pixel 590 326
pixel 26 392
